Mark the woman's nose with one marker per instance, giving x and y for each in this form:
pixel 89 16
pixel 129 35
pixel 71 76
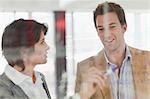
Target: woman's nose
pixel 47 46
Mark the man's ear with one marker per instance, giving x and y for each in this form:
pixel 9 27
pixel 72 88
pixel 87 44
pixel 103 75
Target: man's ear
pixel 124 28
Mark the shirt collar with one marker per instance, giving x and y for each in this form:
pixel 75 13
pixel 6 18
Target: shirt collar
pixel 128 55
pixel 15 76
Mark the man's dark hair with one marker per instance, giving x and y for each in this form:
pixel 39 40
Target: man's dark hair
pixel 20 34
pixel 107 7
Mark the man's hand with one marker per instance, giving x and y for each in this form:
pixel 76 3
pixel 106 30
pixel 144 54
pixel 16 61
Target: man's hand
pixel 93 80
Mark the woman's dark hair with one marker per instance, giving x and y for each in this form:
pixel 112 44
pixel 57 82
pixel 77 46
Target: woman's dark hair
pixel 20 34
pixel 107 7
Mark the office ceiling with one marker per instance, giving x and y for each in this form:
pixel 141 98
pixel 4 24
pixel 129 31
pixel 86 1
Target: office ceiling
pixel 69 5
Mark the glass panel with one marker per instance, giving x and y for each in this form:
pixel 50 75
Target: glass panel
pixel 49 68
pixel 83 41
pixel 145 30
pixel 5 19
pixel 23 15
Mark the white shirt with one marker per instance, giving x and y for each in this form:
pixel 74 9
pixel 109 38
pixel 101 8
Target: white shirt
pixel 32 90
pixel 123 86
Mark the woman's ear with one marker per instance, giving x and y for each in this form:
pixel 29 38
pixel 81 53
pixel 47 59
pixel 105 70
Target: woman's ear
pixel 24 51
pixel 25 54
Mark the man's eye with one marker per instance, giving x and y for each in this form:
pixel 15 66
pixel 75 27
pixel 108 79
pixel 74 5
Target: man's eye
pixel 113 26
pixel 100 29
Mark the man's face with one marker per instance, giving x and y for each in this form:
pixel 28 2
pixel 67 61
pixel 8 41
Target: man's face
pixel 110 31
pixel 39 55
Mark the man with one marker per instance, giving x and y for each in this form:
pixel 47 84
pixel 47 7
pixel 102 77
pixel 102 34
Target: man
pixel 118 71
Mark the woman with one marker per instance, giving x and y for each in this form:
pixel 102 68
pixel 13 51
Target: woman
pixel 24 47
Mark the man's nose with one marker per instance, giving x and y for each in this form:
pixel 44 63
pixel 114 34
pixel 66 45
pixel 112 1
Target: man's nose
pixel 107 34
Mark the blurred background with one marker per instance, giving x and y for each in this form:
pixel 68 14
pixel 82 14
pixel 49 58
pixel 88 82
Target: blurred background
pixel 72 36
